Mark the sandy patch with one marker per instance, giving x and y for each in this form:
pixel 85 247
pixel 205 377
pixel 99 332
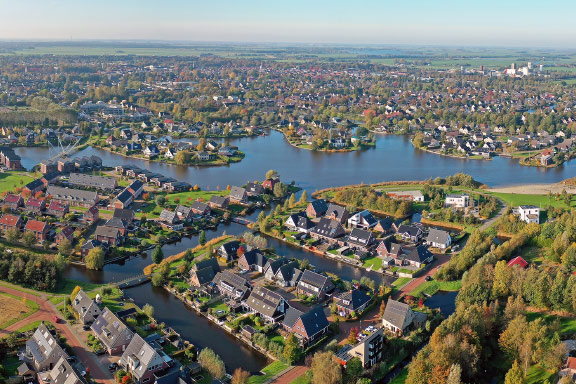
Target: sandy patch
pixel 535 189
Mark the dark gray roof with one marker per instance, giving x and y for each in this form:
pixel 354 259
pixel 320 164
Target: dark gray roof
pixel 140 351
pixel 255 257
pixel 437 236
pixel 200 206
pixel 237 193
pixel 411 230
pixel 73 195
pixel 319 206
pixel 314 279
pixel 124 214
pixel 110 330
pixel 91 181
pixel 360 237
pixel 116 222
pixel 314 320
pixel 291 317
pixel 168 216
pixel 396 312
pixel 124 196
pixel 336 210
pixel 107 231
pixel 264 301
pixel 352 299
pixel 44 346
pixel 219 200
pixel 329 228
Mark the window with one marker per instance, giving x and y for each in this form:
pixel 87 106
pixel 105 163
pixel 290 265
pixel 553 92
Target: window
pixel 145 380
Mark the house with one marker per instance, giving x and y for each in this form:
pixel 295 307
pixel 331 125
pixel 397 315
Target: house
pixel 314 284
pixel 10 221
pixel 254 189
pixel 231 285
pixel 238 195
pixel 229 250
pixel 415 196
pixel 34 205
pixel 83 180
pixel 92 215
pixel 43 350
pixel 40 229
pixel 416 256
pixel 168 217
pixel 306 326
pixel 57 209
pixel 86 308
pixel 123 200
pixel 518 262
pixel 13 201
pixel 109 235
pixel 273 266
pixel 368 350
pixel 203 272
pixel 384 226
pixel 91 244
pixel 151 151
pixel 112 332
pixel 327 229
pixel 299 222
pixel 184 213
pixel 120 224
pixel 270 306
pixel 410 233
pixel 62 373
pixel 66 233
pixel 529 213
pixel 354 301
pixel 221 202
pixel 126 215
pixel 34 186
pixel 457 200
pixel 288 275
pixel 360 239
pixel 399 318
pixel 270 183
pixel 438 238
pixel 200 208
pixel 337 213
pixel 316 208
pixel 142 360
pixel 73 197
pixel 363 219
pixel 253 260
pixel 136 188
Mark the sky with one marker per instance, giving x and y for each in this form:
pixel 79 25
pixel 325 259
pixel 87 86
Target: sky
pixel 528 23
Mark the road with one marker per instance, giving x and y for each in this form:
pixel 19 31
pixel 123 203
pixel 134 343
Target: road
pixel 46 313
pixel 489 222
pixel 291 375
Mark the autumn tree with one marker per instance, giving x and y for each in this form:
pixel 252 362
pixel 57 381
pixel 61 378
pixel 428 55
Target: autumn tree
pixel 303 197
pixel 240 376
pixel 514 375
pixel 292 350
pixel 271 174
pixel 95 258
pixel 65 247
pixel 28 239
pixel 211 362
pixel 325 370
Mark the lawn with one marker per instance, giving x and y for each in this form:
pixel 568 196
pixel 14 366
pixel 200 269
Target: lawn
pixel 401 377
pixel 14 309
pixel 269 371
pixel 67 286
pixel 304 379
pixel 431 287
pixel 516 199
pixel 400 282
pixel 11 180
pixel 537 374
pixel 373 262
pixel 19 288
pixel 29 327
pixel 567 324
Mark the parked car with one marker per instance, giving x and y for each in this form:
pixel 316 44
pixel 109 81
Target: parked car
pixel 86 327
pixel 113 366
pixel 428 278
pixel 56 319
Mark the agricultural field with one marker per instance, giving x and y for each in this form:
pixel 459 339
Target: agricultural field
pixel 14 309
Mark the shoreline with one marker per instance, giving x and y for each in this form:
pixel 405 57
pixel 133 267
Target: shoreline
pixel 535 189
pixel 346 150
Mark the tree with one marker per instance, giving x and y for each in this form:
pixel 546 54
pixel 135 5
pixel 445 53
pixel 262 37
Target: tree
pixel 95 258
pixel 240 376
pixel 353 336
pixel 261 217
pixel 202 238
pixel 271 174
pixel 148 310
pixel 325 370
pixel 75 292
pixel 211 362
pixel 454 377
pixel 161 201
pixel 28 239
pixel 65 247
pixel 292 201
pixel 382 308
pixel 354 369
pixel 280 190
pixel 514 375
pixel 292 350
pixel 303 197
pixel 12 235
pixel 157 255
pixel 182 157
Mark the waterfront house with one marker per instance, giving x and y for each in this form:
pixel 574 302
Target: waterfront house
pixel 200 208
pixel 203 272
pixel 231 285
pixel 238 195
pixel 306 326
pixel 57 209
pixel 299 222
pixel 254 189
pixel 40 229
pixel 170 220
pixel 65 233
pixel 384 226
pixel 337 213
pixel 416 196
pixel 85 307
pixel 363 219
pixel 399 318
pixel 184 213
pixel 151 151
pixel 33 187
pixel 92 215
pixel 112 332
pixel 354 301
pixel 457 200
pixel 438 238
pixel 221 202
pixel 10 221
pixel 368 350
pixel 410 233
pixel 91 244
pixel 529 213
pixel 118 223
pixel 415 256
pixel 314 284
pixel 176 186
pixel 13 201
pixel 253 260
pixel 34 205
pixel 270 306
pixel 73 197
pixel 109 235
pixel 229 251
pixel 360 239
pixel 329 230
pixel 142 360
pixel 43 350
pixel 316 208
pixel 273 266
pixel 270 183
pixel 288 275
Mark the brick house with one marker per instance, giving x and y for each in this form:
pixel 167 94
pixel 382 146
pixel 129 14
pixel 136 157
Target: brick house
pixel 13 201
pixel 34 205
pixel 67 233
pixel 40 229
pixel 57 209
pixel 92 215
pixel 10 221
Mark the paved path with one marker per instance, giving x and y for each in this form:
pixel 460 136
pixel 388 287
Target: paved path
pixel 46 312
pixel 291 375
pixel 440 260
pixel 491 221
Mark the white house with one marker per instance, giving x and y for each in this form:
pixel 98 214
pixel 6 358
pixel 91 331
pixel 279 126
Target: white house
pixel 529 213
pixel 406 195
pixel 457 201
pixel 363 219
pixel 438 238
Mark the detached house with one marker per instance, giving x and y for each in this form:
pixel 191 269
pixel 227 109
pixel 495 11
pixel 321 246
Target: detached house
pixel 360 239
pixel 238 195
pixel 399 318
pixel 316 208
pixel 438 238
pixel 231 285
pixel 253 260
pixel 203 272
pixel 34 205
pixel 349 302
pixel 109 235
pixel 410 233
pixel 221 202
pixel 57 209
pixel 112 332
pixel 362 219
pixel 43 349
pixel 85 307
pixel 270 306
pixel 66 233
pixel 92 215
pixel 10 221
pixel 337 213
pixel 314 284
pixel 306 326
pixel 142 360
pixel 40 229
pixel 369 350
pixel 13 201
pixel 200 208
pixel 229 250
pixel 327 229
pixel 254 189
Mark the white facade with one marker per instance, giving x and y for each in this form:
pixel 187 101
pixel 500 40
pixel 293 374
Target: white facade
pixel 457 201
pixel 529 213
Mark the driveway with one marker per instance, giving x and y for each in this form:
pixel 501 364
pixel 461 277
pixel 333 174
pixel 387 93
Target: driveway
pixel 439 261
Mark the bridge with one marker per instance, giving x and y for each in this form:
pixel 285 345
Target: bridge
pixel 60 150
pixel 133 281
pixel 242 221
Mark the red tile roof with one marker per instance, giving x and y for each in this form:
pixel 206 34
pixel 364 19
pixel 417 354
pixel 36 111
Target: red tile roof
pixel 32 202
pixel 35 226
pixel 66 231
pixel 518 261
pixel 56 206
pixel 571 363
pixel 11 198
pixel 9 220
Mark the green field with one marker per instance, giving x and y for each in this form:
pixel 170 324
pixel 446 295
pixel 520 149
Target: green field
pixel 269 371
pixel 11 180
pixel 515 199
pixel 567 324
pixel 401 378
pixel 431 287
pixel 537 374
